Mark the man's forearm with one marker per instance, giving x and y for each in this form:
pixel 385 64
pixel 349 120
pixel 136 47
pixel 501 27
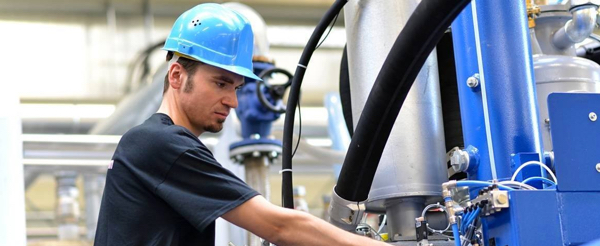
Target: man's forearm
pixel 306 229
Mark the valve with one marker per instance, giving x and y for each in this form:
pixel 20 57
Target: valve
pixel 275 92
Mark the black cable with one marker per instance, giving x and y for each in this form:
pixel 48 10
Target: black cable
pixel 329 31
pixel 344 88
pixel 299 129
pixel 287 194
pixel 418 38
pixel 300 111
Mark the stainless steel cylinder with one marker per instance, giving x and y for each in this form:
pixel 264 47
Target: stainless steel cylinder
pixel 413 163
pixel 398 212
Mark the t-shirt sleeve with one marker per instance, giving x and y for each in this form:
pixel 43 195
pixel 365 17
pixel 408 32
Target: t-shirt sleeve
pixel 201 190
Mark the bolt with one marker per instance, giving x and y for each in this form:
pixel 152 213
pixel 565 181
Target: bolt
pixel 473 81
pixel 255 154
pixel 598 167
pixel 459 160
pixel 593 116
pixel 502 199
pixel 547 121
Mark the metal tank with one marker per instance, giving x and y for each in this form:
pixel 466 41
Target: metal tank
pixel 558 69
pixel 413 164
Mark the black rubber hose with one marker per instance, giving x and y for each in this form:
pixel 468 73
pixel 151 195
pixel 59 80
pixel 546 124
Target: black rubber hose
pixel 345 96
pixel 422 32
pixel 287 195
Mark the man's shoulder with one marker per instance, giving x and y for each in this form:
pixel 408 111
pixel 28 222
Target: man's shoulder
pixel 155 137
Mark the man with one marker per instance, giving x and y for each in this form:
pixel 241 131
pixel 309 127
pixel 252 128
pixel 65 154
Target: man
pixel 164 187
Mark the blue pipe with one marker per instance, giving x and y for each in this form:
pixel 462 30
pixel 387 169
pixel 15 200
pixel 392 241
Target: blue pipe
pixel 491 39
pixel 456 235
pixel 463 221
pixel 471 108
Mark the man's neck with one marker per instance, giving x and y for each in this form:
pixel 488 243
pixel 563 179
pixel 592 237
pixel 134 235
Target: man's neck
pixel 171 107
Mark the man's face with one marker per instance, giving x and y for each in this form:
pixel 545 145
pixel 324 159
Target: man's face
pixel 208 97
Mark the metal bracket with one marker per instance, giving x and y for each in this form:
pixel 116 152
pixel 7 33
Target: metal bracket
pixel 345 214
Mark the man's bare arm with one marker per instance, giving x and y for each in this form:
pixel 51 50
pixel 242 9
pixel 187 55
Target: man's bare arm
pixel 283 226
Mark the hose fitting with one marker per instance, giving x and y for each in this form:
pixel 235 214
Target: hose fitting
pixel 345 214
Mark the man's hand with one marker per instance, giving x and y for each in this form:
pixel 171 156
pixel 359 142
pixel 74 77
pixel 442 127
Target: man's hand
pixel 283 226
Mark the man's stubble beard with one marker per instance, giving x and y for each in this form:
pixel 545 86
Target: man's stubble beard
pixel 215 128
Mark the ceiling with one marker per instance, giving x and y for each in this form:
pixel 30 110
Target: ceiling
pixel 306 12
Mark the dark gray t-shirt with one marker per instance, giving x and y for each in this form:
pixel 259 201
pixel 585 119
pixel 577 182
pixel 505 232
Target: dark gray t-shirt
pixel 164 187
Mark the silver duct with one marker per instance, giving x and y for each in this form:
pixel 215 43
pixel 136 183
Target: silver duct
pixel 412 167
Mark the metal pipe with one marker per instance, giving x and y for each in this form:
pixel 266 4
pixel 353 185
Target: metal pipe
pixel 401 214
pixel 67 208
pixel 578 28
pixel 257 177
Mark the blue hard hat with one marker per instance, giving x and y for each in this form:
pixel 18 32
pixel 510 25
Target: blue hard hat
pixel 214 35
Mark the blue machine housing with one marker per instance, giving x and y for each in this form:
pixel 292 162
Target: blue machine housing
pixel 500 115
pixel 569 215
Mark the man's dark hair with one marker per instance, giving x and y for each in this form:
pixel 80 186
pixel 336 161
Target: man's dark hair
pixel 190 67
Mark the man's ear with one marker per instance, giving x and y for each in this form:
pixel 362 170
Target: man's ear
pixel 176 75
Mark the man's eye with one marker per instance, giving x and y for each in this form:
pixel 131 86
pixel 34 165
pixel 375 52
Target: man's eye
pixel 238 88
pixel 221 85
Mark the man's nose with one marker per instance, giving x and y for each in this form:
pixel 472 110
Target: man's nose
pixel 231 100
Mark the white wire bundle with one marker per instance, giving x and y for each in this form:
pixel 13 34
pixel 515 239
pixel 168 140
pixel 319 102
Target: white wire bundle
pixel 517 185
pixel 529 163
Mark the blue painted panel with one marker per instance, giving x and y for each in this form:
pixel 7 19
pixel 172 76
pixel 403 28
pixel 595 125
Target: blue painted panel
pixel 580 216
pixel 535 220
pixel 531 219
pixel 576 140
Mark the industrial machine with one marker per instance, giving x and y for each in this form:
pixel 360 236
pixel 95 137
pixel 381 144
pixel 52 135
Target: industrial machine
pixel 464 116
pixel 528 112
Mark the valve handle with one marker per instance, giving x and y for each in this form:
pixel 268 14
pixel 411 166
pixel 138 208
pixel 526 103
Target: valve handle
pixel 275 91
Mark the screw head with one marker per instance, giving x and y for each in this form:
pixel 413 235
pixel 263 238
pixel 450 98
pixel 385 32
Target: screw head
pixel 593 116
pixel 473 81
pixel 501 199
pixel 547 121
pixel 598 167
